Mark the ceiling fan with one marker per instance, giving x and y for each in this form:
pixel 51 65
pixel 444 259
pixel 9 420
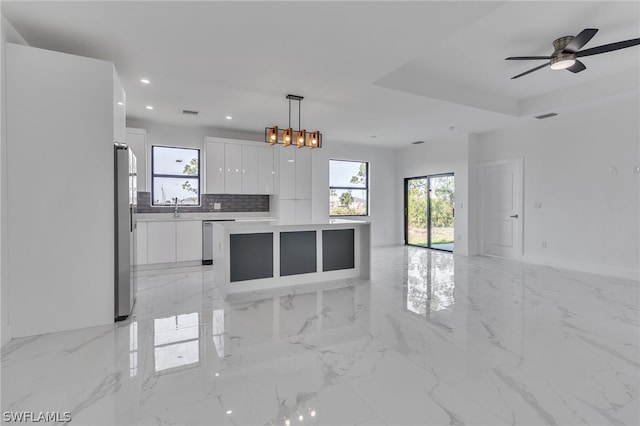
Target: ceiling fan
pixel 567 50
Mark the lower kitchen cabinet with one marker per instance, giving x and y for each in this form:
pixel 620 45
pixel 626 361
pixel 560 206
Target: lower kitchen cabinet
pixel 170 241
pixel 189 240
pixel 161 242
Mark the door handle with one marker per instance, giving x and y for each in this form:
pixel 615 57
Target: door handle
pixel 515 216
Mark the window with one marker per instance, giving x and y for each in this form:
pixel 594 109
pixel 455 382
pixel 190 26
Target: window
pixel 175 173
pixel 348 188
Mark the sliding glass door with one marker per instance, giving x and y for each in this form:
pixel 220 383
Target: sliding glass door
pixel 429 211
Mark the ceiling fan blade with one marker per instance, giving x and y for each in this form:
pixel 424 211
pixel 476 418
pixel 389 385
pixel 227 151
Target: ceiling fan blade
pixel 525 58
pixel 608 47
pixel 531 70
pixel 577 67
pixel 580 40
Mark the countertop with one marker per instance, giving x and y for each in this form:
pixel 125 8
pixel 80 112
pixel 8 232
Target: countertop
pixel 273 223
pixel 239 216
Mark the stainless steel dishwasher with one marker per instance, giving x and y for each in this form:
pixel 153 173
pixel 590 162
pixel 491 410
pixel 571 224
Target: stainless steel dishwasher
pixel 207 239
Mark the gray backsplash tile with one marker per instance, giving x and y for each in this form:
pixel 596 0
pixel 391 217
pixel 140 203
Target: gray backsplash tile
pixel 229 203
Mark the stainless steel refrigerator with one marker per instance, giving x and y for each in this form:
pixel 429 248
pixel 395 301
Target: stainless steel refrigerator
pixel 126 190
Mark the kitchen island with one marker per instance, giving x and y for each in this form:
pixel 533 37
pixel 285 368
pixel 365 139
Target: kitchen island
pixel 259 255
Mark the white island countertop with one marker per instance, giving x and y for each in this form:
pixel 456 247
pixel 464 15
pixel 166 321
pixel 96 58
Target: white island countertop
pixel 242 224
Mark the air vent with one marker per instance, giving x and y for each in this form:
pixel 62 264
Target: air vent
pixel 417 142
pixel 189 112
pixel 543 116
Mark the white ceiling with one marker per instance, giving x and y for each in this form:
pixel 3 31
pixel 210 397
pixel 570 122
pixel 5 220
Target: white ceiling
pixel 402 71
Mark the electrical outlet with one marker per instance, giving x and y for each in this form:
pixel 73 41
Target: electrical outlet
pixel 636 168
pixel 459 237
pixel 217 206
pixel 537 204
pixel 544 244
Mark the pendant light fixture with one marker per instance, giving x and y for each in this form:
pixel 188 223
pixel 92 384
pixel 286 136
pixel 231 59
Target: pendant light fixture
pixel 300 138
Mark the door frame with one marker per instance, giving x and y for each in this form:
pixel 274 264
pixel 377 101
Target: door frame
pixel 406 209
pixel 519 200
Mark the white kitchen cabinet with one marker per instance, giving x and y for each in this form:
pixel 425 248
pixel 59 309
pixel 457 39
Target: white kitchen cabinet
pixel 161 242
pixel 287 173
pixel 136 139
pixel 188 240
pixel 266 170
pixel 303 174
pixel 214 166
pixel 303 211
pixel 249 169
pixel 233 166
pixel 141 243
pixel 287 211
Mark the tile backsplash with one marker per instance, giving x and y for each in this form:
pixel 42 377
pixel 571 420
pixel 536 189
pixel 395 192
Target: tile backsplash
pixel 228 203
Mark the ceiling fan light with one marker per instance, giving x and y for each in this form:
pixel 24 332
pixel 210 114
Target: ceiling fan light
pixel 562 62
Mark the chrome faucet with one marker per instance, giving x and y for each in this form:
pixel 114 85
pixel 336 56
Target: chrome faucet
pixel 176 214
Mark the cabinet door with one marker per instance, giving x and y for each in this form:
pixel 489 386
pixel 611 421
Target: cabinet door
pixel 287 173
pixel 214 166
pixel 303 212
pixel 303 174
pixel 136 139
pixel 141 243
pixel 161 242
pixel 265 170
pixel 249 169
pixel 188 240
pixel 233 165
pixel 287 211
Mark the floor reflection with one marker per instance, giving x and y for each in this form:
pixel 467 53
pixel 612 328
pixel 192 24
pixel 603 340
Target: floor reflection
pixel 176 341
pixel 430 284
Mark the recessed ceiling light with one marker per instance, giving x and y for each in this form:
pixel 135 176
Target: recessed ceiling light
pixel 417 142
pixel 373 136
pixel 228 117
pixel 144 81
pixel 120 103
pixel 452 128
pixel 229 411
pixel 149 107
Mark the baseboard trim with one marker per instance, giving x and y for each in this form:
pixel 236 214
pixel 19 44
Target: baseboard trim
pixel 591 268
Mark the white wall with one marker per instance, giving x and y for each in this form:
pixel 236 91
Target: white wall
pixel 7 34
pixel 382 175
pixel 436 157
pixel 60 212
pixel 580 166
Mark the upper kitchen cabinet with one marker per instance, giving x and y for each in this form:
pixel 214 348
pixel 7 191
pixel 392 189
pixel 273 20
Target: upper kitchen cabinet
pixel 214 168
pixel 238 167
pixel 233 165
pixel 61 120
pixel 266 170
pixel 136 139
pixel 249 169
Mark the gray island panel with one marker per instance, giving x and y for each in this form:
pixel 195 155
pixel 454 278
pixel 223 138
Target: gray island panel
pixel 297 253
pixel 251 256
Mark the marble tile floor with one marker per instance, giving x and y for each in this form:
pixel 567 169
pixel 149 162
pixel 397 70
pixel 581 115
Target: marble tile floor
pixel 432 339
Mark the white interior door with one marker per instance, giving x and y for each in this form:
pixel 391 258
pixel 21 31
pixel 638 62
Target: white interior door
pixel 502 208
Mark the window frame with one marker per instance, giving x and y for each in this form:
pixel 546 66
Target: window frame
pixel 365 188
pixel 163 175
